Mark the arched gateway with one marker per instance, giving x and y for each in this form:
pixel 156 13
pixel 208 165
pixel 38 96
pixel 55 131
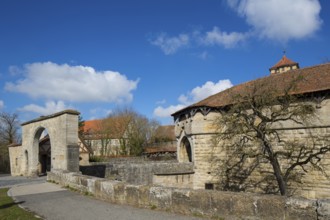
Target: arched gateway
pixel 30 159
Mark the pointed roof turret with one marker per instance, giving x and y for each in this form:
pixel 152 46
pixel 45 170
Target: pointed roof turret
pixel 284 65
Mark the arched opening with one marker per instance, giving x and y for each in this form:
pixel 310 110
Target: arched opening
pixel 43 144
pixel 185 154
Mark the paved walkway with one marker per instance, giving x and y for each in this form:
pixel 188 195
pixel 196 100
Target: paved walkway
pixel 6 180
pixel 53 202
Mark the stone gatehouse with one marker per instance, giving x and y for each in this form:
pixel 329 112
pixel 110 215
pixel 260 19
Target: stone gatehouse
pixel 62 153
pixel 195 129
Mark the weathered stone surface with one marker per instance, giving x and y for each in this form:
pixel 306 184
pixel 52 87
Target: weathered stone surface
pixel 174 180
pixel 16 156
pixel 119 193
pixel 269 207
pixel 132 195
pixel 143 173
pixel 192 201
pixel 144 200
pixel 301 208
pixel 221 204
pixel 98 192
pixel 208 203
pixel 323 209
pixel 107 191
pixel 196 130
pixel 160 197
pixel 92 185
pixel 180 198
pixel 62 128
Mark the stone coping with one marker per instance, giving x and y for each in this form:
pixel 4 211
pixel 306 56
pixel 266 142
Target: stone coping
pixel 41 118
pixel 205 203
pixel 15 145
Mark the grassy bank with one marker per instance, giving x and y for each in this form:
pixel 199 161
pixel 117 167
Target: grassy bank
pixel 9 210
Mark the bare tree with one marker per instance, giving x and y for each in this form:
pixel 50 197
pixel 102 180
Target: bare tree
pixel 138 133
pixel 123 132
pixel 259 152
pixel 9 126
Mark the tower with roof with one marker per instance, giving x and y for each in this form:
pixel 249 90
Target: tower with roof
pixel 285 64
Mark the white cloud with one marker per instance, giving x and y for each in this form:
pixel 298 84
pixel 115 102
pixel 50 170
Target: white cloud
pixel 2 104
pixel 222 38
pixel 201 92
pixel 170 45
pixel 195 95
pixel 49 108
pixel 166 112
pixel 73 83
pixel 280 20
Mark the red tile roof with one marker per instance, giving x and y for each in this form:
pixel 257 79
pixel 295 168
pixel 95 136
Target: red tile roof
pixel 113 127
pixel 283 62
pixel 314 79
pixel 92 125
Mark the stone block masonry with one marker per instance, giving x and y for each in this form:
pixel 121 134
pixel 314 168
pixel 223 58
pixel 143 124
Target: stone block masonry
pixel 171 174
pixel 62 129
pixel 207 203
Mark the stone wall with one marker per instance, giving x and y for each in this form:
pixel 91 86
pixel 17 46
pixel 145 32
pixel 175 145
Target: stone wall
pixel 83 158
pixel 208 203
pixel 314 184
pixel 174 180
pixel 146 173
pixel 16 157
pixel 200 130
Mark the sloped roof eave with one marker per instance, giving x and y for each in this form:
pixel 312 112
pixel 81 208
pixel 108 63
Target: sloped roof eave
pixel 318 81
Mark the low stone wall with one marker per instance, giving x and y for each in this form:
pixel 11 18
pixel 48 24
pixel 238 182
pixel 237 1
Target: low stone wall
pixel 137 173
pixel 215 204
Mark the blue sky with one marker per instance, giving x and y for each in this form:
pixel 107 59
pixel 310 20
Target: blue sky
pixel 154 56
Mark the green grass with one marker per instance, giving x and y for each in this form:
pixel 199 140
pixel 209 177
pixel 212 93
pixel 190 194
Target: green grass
pixel 153 207
pixel 9 210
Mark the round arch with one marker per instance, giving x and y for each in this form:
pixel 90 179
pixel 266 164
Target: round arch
pixel 42 143
pixel 62 151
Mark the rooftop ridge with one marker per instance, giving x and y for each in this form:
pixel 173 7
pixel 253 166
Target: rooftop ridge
pixel 318 77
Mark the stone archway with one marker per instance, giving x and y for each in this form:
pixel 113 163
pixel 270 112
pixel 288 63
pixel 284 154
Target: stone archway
pixel 42 141
pixel 185 151
pixel 62 128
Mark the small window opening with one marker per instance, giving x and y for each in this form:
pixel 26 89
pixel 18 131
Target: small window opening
pixel 209 186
